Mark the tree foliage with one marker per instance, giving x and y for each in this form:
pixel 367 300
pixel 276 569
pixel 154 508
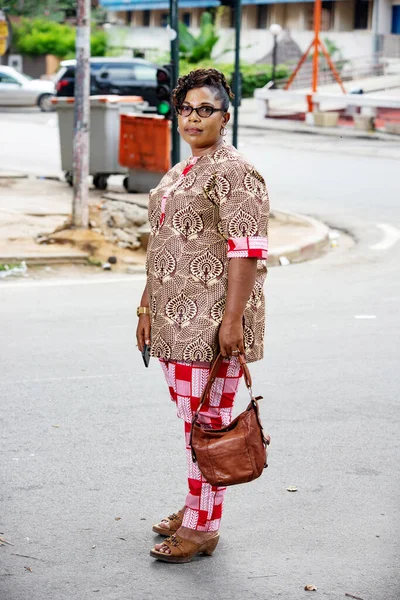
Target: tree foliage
pixel 194 49
pixel 40 36
pixel 57 10
pixel 253 76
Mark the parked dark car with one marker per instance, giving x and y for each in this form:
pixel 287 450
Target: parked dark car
pixel 122 76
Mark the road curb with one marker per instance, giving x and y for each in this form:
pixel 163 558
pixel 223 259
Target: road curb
pixel 55 258
pixel 315 243
pixel 13 175
pixel 290 126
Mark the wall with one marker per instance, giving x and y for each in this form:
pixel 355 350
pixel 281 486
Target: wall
pixel 153 39
pixel 52 64
pixel 354 44
pixel 34 66
pixel 257 43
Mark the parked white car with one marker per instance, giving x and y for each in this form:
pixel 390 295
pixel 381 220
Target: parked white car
pixel 17 89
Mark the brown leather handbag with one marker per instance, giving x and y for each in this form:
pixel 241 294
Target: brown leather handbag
pixel 237 453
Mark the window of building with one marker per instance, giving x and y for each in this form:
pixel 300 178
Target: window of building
pixel 164 21
pixel 361 14
pixel 327 15
pixel 309 18
pixel 262 16
pixel 187 18
pixel 146 18
pixel 396 18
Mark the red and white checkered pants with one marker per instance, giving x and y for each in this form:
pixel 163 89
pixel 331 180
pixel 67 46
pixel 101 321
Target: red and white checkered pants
pixel 186 382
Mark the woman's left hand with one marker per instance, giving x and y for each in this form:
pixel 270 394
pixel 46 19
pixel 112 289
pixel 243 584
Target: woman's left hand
pixel 231 336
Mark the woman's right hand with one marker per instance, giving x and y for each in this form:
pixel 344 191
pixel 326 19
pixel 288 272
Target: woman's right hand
pixel 143 331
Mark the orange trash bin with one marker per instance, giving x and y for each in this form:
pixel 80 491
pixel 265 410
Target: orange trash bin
pixel 145 143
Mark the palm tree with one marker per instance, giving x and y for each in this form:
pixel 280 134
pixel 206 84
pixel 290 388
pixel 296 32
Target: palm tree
pixel 195 49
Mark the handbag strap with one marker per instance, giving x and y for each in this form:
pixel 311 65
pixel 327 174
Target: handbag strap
pixel 212 376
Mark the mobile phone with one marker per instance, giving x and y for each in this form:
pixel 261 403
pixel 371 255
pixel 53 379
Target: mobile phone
pixel 146 355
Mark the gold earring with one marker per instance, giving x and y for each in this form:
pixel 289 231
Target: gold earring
pixel 223 131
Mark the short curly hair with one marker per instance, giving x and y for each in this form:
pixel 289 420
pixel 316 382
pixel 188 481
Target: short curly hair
pixel 211 78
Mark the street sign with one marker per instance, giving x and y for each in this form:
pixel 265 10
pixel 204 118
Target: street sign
pixel 5 33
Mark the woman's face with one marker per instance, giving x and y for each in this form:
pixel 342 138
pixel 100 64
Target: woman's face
pixel 202 132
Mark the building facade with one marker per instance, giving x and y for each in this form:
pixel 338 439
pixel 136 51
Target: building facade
pixel 354 26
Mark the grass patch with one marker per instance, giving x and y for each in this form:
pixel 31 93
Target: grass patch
pixel 95 262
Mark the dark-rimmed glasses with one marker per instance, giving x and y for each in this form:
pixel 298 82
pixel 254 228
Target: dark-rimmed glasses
pixel 203 111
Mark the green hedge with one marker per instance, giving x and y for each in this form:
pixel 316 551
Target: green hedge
pixel 38 37
pixel 256 76
pixel 253 76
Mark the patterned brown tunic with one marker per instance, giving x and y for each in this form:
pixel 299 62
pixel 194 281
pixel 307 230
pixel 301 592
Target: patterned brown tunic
pixel 218 210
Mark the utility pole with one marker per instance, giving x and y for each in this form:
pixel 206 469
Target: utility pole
pixel 237 78
pixel 375 33
pixel 173 15
pixel 80 204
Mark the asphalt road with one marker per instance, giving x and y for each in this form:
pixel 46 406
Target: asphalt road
pixel 92 453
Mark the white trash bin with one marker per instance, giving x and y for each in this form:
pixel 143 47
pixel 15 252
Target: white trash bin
pixel 104 134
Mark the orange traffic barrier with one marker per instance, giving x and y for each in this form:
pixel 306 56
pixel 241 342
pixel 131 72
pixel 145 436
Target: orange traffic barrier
pixel 120 99
pixel 145 143
pixel 109 98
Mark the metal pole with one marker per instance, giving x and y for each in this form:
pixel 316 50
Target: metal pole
pixel 274 58
pixel 375 33
pixel 236 87
pixel 317 29
pixel 173 11
pixel 80 204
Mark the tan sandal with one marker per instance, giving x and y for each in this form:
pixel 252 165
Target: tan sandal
pixel 174 522
pixel 182 551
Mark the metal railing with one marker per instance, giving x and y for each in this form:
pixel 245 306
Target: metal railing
pixel 356 68
pixel 390 46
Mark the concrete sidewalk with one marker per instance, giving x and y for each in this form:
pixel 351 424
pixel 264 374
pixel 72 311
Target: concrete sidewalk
pixel 32 208
pixel 251 117
pixel 250 121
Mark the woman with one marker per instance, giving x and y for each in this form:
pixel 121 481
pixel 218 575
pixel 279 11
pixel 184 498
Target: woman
pixel 204 292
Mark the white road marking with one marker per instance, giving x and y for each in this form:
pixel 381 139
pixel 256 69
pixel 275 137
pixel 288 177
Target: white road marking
pixel 365 316
pixel 67 282
pixel 391 235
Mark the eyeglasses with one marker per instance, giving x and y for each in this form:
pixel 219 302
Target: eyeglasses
pixel 202 111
